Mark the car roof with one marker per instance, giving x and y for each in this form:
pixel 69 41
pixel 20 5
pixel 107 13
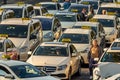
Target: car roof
pixel 117 40
pixel 110 5
pixel 113 50
pixel 38 7
pixel 15 5
pixel 48 3
pixel 61 44
pixel 86 23
pixel 77 31
pixel 91 0
pixel 104 16
pixel 48 17
pixel 12 63
pixel 65 13
pixel 78 5
pixel 17 21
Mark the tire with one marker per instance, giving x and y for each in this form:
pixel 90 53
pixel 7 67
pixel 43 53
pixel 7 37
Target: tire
pixel 69 74
pixel 79 70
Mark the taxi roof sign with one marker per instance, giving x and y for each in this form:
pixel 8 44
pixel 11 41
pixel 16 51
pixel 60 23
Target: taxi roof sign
pixel 25 18
pixel 74 10
pixel 85 27
pixel 50 15
pixel 85 2
pixel 93 20
pixel 38 4
pixel 66 40
pixel 3 35
pixel 54 0
pixel 20 3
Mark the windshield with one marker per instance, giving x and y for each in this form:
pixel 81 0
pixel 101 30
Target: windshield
pixel 17 12
pixel 76 38
pixel 1 47
pixel 50 6
pixel 111 57
pixel 19 31
pixel 94 4
pixel 27 71
pixel 72 1
pixel 110 11
pixel 94 28
pixel 51 51
pixel 66 18
pixel 106 1
pixel 78 8
pixel 116 44
pixel 106 22
pixel 46 23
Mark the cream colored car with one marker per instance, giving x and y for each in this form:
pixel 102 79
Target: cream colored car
pixel 56 58
pixel 81 39
pixel 26 34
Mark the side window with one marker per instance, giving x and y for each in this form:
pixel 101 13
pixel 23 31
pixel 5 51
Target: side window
pixel 57 26
pixel 44 11
pixel 26 15
pixel 3 71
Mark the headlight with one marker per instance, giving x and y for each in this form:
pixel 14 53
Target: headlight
pixel 48 35
pixel 97 73
pixel 23 49
pixel 62 67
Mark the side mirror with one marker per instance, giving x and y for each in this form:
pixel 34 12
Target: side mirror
pixel 74 54
pixel 9 76
pixel 105 49
pixel 33 37
pixel 9 49
pixel 29 52
pixel 96 59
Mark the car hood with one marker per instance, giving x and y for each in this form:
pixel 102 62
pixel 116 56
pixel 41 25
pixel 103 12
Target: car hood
pixel 67 24
pixel 108 69
pixel 81 47
pixel 108 30
pixel 114 77
pixel 18 41
pixel 47 60
pixel 41 78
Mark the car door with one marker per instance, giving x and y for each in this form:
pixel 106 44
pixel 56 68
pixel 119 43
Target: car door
pixel 57 29
pixel 74 59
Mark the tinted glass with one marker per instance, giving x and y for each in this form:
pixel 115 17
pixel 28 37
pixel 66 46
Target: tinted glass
pixel 27 71
pixel 111 11
pixel 1 47
pixel 111 57
pixel 49 6
pixel 51 51
pixel 67 18
pixel 46 23
pixel 19 31
pixel 18 12
pixel 76 38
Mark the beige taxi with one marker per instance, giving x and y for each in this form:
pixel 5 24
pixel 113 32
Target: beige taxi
pixel 25 33
pixel 81 39
pixel 56 58
pixel 110 25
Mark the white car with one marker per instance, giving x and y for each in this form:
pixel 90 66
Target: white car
pixel 25 33
pixel 114 77
pixel 17 70
pixel 67 19
pixel 52 7
pixel 109 63
pixel 110 24
pixel 56 58
pixel 81 39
